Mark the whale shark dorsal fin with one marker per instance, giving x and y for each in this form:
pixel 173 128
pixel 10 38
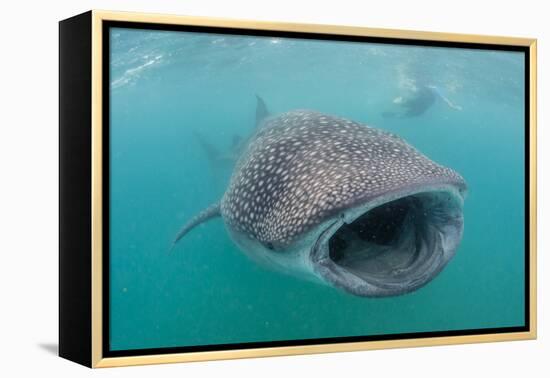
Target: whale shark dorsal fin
pixel 261 110
pixel 210 212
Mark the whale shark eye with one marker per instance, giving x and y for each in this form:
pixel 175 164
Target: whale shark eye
pixel 270 246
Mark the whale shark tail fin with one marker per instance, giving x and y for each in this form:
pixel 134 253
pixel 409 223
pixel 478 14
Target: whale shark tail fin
pixel 210 212
pixel 218 160
pixel 261 110
pixel 212 153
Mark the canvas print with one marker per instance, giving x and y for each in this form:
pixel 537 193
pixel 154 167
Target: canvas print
pixel 275 189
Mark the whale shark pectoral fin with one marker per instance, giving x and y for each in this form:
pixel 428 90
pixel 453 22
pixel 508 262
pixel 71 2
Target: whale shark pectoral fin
pixel 261 110
pixel 210 212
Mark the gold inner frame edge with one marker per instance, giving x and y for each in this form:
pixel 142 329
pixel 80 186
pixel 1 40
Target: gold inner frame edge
pixel 98 16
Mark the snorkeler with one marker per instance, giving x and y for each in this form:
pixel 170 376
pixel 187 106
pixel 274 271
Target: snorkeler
pixel 418 98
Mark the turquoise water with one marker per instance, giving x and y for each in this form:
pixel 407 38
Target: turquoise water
pixel 168 86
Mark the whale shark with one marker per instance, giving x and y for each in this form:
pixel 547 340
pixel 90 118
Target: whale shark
pixel 338 202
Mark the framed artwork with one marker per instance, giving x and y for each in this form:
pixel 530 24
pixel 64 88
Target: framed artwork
pixel 234 189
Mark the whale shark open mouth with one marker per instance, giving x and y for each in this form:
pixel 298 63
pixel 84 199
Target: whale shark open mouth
pixel 393 247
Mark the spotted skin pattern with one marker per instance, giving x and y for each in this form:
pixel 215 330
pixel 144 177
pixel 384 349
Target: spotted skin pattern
pixel 303 167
